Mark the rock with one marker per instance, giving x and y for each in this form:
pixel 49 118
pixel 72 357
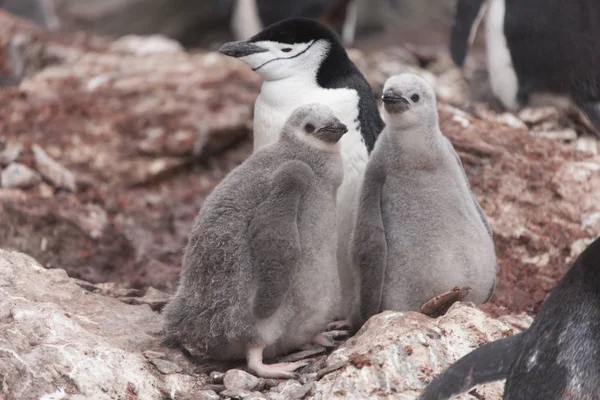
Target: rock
pixel 146 45
pixel 156 299
pixel 91 346
pixel 275 396
pixel 19 176
pixel 397 354
pixel 58 175
pixel 236 394
pixel 293 390
pixel 207 395
pixel 536 115
pixel 238 379
pixel 216 377
pixel 9 153
pixel 166 367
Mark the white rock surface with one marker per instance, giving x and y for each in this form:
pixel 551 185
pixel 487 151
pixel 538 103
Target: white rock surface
pixel 57 338
pixel 19 176
pixel 395 355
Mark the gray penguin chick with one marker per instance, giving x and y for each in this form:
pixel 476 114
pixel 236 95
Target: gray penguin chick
pixel 259 274
pixel 420 231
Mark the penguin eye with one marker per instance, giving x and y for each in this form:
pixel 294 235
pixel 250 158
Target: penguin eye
pixel 286 49
pixel 310 128
pixel 414 98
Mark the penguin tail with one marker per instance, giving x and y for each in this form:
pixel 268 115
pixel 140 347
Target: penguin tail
pixel 592 112
pixel 466 19
pixel 490 362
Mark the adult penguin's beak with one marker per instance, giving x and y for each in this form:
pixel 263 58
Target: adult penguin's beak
pixel 240 49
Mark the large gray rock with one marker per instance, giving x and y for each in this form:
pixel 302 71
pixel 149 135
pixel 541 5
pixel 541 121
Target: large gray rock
pixel 56 338
pixel 395 355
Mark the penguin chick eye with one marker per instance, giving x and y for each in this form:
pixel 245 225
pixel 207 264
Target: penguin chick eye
pixel 286 49
pixel 310 128
pixel 415 98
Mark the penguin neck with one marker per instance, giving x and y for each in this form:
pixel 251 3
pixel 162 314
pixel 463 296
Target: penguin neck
pixel 419 144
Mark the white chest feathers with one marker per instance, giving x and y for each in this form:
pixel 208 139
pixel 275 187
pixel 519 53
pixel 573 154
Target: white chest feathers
pixel 278 99
pixel 501 71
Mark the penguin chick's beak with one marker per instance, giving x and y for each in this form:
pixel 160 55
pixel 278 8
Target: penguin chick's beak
pixel 395 103
pixel 332 132
pixel 240 49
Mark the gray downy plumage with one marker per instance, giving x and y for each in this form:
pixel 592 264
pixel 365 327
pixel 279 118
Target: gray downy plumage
pixel 260 267
pixel 420 231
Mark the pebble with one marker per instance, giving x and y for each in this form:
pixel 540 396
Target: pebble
pixel 19 176
pixel 236 394
pixel 293 390
pixel 10 153
pixel 216 377
pixel 207 395
pixel 238 379
pixel 166 367
pixel 58 175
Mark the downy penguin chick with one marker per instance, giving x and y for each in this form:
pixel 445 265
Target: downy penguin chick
pixel 259 274
pixel 420 232
pixel 302 61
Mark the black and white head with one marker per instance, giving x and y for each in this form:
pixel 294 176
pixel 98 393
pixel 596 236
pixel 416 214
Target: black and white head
pixel 294 46
pixel 316 125
pixel 408 101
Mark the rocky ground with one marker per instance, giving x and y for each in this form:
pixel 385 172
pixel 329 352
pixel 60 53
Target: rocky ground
pixel 107 151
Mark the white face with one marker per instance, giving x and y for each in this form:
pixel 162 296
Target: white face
pixel 282 60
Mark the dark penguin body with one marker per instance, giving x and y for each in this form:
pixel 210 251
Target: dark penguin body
pixel 302 62
pixel 249 17
pixel 552 47
pixel 558 357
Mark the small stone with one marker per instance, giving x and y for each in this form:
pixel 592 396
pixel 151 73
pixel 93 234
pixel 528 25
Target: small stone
pixel 146 45
pixel 149 354
pixel 10 153
pixel 275 396
pixel 19 176
pixel 156 299
pixel 256 396
pixel 207 395
pixel 236 393
pixel 269 383
pixel 58 175
pixel 535 115
pixel 238 379
pixel 166 367
pixel 567 134
pixel 216 377
pixel 292 389
pixel 214 388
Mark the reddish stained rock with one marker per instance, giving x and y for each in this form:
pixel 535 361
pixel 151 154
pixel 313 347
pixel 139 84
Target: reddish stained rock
pixel 148 137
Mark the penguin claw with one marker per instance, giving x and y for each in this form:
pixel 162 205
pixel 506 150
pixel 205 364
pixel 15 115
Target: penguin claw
pixel 321 340
pixel 339 325
pixel 279 370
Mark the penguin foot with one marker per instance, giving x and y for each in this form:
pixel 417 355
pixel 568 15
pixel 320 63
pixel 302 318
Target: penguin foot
pixel 321 340
pixel 339 325
pixel 283 370
pixel 438 306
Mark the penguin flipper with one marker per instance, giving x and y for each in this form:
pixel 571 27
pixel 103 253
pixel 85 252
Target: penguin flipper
pixel 592 111
pixel 273 236
pixel 488 363
pixel 370 245
pixel 465 17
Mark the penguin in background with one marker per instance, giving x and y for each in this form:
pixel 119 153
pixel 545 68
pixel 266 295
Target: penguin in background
pixel 302 61
pixel 249 17
pixel 538 51
pixel 557 358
